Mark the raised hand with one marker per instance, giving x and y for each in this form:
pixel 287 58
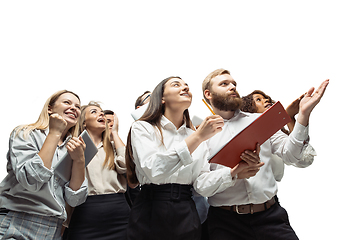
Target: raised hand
pixel 115 127
pixel 76 147
pixel 293 108
pixel 309 101
pixel 210 126
pixel 57 124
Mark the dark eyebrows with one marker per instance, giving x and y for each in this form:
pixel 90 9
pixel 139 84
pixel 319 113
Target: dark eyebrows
pixel 177 81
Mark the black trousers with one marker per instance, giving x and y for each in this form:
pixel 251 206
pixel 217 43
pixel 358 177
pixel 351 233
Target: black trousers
pixel 101 217
pixel 162 212
pixel 272 224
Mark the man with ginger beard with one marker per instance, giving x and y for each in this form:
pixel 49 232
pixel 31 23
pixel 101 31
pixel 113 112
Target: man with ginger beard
pixel 250 209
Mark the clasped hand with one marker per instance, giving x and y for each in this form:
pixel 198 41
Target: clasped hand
pixel 249 165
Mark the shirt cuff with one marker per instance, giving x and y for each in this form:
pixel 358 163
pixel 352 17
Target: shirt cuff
pixel 301 132
pixel 183 153
pixel 39 172
pixel 227 178
pixel 75 198
pixel 120 151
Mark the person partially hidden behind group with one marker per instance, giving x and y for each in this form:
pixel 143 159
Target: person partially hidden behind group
pixel 168 158
pixel 143 99
pixel 259 102
pixel 32 197
pixel 105 213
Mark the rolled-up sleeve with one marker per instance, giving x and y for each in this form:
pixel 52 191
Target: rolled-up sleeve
pixel 28 166
pixel 120 164
pixel 75 198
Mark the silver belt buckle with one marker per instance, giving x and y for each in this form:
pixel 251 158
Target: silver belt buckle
pixel 251 209
pixel 237 209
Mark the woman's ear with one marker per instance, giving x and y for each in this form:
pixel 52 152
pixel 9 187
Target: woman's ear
pixel 49 110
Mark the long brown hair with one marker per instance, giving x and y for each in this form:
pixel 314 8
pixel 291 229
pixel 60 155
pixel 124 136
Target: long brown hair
pixel 109 150
pixel 43 121
pixel 152 115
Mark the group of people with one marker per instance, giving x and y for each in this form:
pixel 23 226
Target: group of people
pixel 159 185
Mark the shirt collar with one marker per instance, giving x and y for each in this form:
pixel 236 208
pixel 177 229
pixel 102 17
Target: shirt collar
pixel 238 114
pixel 241 113
pixel 167 124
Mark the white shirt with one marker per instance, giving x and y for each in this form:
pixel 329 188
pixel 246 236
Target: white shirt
pixel 262 187
pixel 31 187
pixel 172 162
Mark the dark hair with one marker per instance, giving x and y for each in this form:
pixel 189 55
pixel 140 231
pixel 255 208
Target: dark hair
pixel 152 115
pixel 139 101
pixel 250 106
pixel 108 112
pixel 249 103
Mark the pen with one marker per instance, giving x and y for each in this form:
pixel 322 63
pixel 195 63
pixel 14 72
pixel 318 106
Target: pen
pixel 208 107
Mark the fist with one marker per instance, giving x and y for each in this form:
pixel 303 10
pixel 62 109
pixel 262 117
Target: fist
pixel 56 123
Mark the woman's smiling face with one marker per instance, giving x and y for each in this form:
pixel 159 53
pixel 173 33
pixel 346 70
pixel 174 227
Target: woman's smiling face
pixel 68 107
pixel 176 94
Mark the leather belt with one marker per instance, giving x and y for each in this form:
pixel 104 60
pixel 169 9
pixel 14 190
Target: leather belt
pixel 250 208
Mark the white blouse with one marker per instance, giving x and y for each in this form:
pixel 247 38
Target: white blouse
pixel 171 161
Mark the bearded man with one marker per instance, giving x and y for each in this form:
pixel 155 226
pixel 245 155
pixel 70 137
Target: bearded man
pixel 250 209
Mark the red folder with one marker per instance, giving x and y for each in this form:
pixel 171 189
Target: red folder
pixel 260 130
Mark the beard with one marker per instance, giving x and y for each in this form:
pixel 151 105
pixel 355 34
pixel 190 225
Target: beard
pixel 225 102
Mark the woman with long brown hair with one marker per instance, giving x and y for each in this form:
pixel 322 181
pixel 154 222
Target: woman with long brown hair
pixel 105 213
pixel 168 158
pixel 32 197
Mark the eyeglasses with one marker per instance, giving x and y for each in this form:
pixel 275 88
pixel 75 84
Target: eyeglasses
pixel 142 102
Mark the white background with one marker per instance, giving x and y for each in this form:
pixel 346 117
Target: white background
pixel 112 51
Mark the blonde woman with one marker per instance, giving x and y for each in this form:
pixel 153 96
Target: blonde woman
pixel 32 198
pixel 105 213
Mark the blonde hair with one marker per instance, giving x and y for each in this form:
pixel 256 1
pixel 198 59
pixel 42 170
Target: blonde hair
pixel 43 121
pixel 207 81
pixel 108 147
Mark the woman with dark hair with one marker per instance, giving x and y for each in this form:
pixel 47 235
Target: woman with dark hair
pixel 259 102
pixel 167 157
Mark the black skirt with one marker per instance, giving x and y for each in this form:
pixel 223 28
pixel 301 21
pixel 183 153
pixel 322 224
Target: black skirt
pixel 101 217
pixel 164 212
